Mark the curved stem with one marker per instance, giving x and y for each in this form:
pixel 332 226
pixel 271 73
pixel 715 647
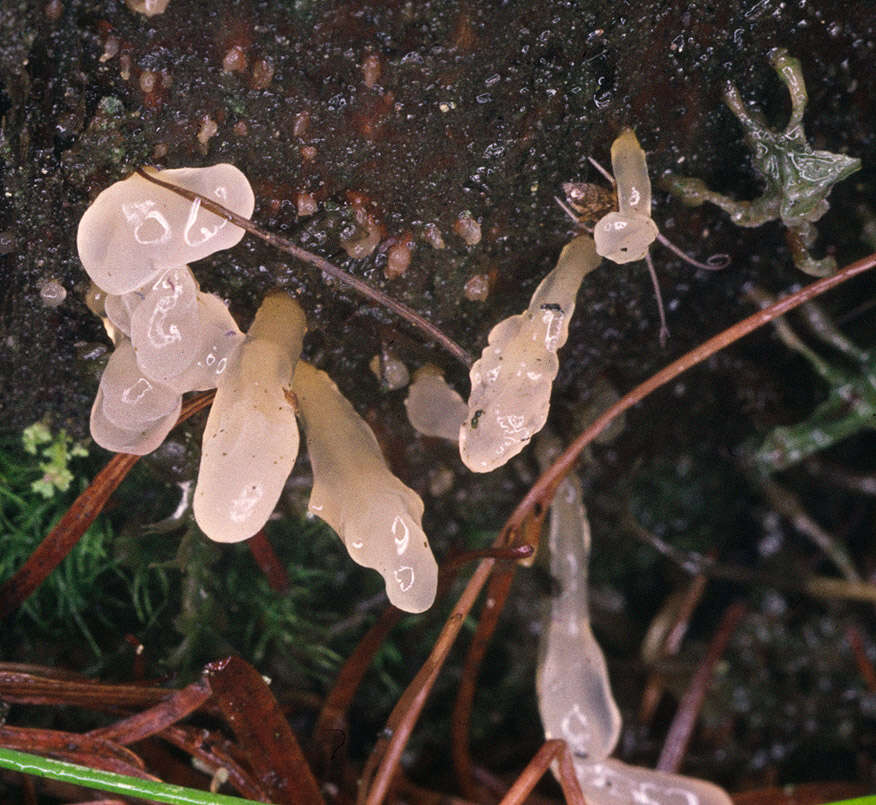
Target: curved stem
pixel 713 263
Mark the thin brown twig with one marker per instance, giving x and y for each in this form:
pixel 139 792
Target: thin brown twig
pixel 542 491
pixel 865 665
pixel 384 759
pixel 153 720
pixel 654 686
pixel 552 750
pixel 682 727
pixel 363 288
pixel 494 602
pixel 269 563
pixel 331 726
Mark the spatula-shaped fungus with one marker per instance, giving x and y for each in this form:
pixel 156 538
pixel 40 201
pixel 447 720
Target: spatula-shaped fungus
pixel 511 381
pixel 376 516
pixel 130 398
pixel 251 438
pixel 574 693
pixel 166 324
pixel 138 440
pixel 611 782
pixel 131 412
pixel 218 338
pixel 434 409
pixel 135 230
pixel 626 235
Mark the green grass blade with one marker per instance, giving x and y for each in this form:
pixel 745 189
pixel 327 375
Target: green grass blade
pixel 114 783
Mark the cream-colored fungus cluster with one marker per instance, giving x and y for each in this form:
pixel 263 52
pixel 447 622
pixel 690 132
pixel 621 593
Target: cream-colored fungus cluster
pixel 134 241
pixel 375 514
pixel 574 692
pixel 511 381
pixel 172 338
pixel 626 235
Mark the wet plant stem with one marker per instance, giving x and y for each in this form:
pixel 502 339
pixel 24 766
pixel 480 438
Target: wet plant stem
pixel 75 774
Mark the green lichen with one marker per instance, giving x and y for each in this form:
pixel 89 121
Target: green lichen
pixel 797 178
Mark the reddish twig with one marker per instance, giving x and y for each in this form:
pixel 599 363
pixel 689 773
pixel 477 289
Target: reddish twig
pixel 865 666
pixel 75 522
pixel 384 759
pixel 363 288
pixel 681 729
pixel 331 725
pixel 155 719
pixel 64 536
pixel 512 554
pixel 269 563
pixel 75 748
pixel 671 645
pixel 30 685
pixel 553 750
pixel 263 732
pixel 215 752
pixel 497 593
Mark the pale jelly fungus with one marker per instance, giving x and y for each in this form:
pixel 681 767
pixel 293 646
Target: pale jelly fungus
pixel 251 438
pixel 625 236
pixel 166 324
pixel 610 782
pixel 433 407
pixel 376 516
pixel 574 692
pixel 511 381
pixel 135 230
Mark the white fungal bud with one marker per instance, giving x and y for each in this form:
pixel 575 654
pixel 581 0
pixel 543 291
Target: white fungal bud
pixel 251 438
pixel 433 407
pixel 218 339
pixel 376 516
pixel 511 381
pixel 138 440
pixel 135 230
pixel 625 236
